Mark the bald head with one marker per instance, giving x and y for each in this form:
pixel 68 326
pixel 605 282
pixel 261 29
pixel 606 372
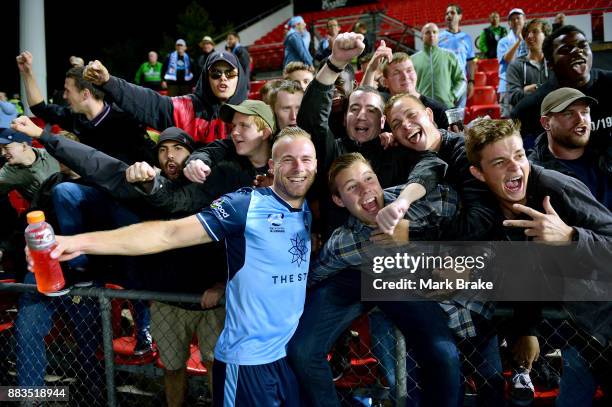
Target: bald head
pixel 430 34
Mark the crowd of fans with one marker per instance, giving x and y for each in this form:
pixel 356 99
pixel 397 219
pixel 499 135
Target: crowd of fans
pixel 275 203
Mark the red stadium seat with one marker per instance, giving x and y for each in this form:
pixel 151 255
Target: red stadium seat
pixel 473 112
pixel 493 78
pixel 488 65
pixel 480 79
pixel 18 202
pixel 484 95
pixel 256 85
pixel 123 346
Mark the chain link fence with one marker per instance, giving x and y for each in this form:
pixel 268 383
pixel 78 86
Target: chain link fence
pixel 85 341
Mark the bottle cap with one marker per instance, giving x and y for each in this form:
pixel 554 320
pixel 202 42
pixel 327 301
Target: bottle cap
pixel 35 217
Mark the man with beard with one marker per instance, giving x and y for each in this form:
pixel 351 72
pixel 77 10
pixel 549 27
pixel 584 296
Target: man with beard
pixel 564 147
pixel 88 116
pixel 266 288
pixel 222 81
pixel 569 55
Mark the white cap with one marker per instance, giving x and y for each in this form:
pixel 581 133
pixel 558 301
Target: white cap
pixel 515 11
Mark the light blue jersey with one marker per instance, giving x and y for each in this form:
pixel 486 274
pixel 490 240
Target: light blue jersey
pixel 268 251
pixel 460 44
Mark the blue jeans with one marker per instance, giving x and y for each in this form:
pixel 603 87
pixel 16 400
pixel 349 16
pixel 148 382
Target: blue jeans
pixel 577 385
pixel 81 208
pixel 483 363
pixel 331 308
pixel 481 360
pixel 34 321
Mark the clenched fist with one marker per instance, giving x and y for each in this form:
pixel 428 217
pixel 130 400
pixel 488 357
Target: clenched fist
pixel 96 73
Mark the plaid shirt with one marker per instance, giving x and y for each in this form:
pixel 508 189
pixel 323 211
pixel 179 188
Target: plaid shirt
pixel 460 318
pixel 347 248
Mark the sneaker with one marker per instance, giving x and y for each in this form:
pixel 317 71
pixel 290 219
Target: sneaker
pixel 522 391
pixel 144 344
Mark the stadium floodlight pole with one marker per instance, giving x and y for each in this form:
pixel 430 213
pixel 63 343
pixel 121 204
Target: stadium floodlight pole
pixel 32 38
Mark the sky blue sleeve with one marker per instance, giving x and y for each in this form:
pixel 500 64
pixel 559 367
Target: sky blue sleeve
pixel 227 215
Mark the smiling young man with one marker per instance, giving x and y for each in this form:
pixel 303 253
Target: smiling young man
pixel 564 145
pixel 399 76
pixel 568 53
pixel 26 168
pixel 267 235
pixel 413 127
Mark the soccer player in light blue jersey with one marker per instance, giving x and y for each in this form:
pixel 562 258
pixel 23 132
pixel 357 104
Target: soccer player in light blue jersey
pixel 267 235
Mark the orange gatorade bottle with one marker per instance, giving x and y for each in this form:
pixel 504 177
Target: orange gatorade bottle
pixel 41 241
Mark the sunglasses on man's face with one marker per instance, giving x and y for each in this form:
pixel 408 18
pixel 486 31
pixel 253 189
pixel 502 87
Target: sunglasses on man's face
pixel 217 73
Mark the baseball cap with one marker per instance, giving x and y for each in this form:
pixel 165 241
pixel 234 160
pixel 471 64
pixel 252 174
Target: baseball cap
pixel 176 134
pixel 206 39
pixel 222 56
pixel 250 108
pixel 181 41
pixel 8 136
pixel 558 100
pixel 515 11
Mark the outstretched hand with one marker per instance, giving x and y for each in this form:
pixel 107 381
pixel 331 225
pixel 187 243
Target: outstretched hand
pixel 544 227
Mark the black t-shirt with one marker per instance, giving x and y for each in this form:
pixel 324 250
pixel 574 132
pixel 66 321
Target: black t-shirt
pixel 587 170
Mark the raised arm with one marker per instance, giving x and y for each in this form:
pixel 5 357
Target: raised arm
pixel 24 63
pixel 382 52
pixel 315 109
pixel 92 165
pixel 145 105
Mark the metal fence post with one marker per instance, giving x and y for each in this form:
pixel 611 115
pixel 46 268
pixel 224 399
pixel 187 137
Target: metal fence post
pixel 109 355
pixel 401 392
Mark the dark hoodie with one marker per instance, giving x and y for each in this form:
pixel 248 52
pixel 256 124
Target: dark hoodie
pixel 196 113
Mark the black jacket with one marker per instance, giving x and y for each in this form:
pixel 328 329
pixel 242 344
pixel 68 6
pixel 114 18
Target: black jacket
pixel 592 222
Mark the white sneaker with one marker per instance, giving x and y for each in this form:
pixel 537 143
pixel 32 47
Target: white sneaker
pixel 522 391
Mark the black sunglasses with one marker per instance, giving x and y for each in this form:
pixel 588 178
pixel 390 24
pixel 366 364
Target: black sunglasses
pixel 216 74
